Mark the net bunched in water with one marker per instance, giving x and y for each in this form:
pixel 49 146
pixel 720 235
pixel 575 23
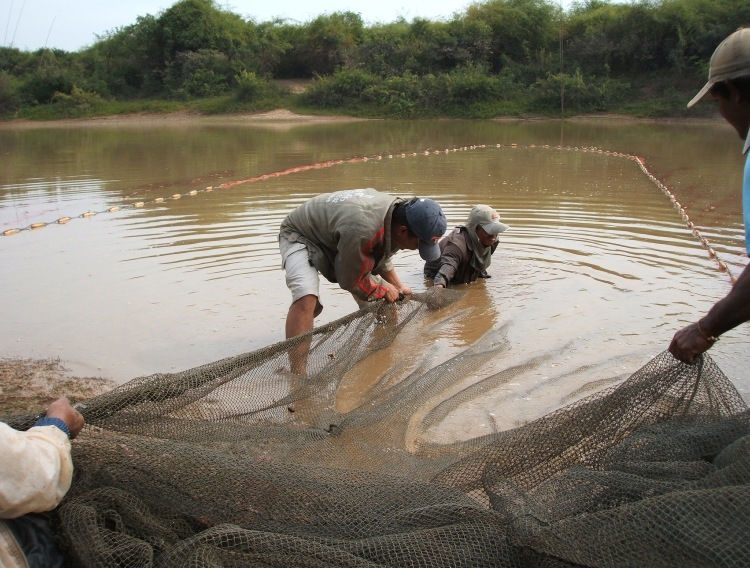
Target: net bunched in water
pixel 240 463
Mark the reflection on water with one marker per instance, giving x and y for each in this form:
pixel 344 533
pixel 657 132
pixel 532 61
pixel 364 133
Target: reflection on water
pixel 596 273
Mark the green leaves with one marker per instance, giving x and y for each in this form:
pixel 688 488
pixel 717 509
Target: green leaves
pixel 526 55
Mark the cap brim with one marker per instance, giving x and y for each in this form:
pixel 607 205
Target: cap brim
pixel 494 228
pixel 429 251
pixel 701 94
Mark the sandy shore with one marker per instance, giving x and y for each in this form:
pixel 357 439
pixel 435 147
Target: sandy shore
pixel 29 385
pixel 279 117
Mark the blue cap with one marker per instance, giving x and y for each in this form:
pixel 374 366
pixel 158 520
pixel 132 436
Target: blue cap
pixel 427 221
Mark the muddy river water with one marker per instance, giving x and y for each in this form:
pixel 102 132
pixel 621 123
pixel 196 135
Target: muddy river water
pixel 170 258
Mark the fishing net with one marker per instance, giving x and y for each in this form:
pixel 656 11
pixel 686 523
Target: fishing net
pixel 241 463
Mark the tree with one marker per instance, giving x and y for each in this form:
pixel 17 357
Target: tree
pixel 330 42
pixel 192 25
pixel 385 48
pixel 520 29
pixel 128 60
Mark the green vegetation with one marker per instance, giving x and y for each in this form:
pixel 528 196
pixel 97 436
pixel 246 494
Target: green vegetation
pixel 498 58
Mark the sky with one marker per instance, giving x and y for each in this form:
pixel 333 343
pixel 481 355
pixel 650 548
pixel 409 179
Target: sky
pixel 73 24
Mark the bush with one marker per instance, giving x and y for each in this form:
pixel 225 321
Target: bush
pixel 472 84
pixel 10 100
pixel 400 96
pixel 41 88
pixel 78 101
pixel 412 95
pixel 250 87
pixel 345 86
pixel 579 94
pixel 204 83
pixel 203 73
pixel 77 98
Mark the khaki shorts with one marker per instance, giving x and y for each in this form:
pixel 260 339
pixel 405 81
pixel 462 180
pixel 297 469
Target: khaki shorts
pixel 302 278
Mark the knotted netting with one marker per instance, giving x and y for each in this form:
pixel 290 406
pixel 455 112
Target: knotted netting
pixel 242 463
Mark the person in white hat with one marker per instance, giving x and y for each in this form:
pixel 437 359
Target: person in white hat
pixel 729 85
pixel 466 253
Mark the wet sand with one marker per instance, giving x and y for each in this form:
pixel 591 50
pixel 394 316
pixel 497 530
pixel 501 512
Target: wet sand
pixel 29 385
pixel 149 119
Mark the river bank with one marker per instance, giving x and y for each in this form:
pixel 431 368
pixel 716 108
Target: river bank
pixel 148 118
pixel 29 385
pixel 288 117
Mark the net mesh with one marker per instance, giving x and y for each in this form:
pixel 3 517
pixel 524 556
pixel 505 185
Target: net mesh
pixel 241 463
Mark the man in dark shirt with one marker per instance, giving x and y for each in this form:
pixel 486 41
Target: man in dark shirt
pixel 466 252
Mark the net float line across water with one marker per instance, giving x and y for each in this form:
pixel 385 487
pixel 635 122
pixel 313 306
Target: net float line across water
pixel 639 160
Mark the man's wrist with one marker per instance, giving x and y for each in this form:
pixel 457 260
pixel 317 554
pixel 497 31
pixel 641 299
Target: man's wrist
pixel 707 334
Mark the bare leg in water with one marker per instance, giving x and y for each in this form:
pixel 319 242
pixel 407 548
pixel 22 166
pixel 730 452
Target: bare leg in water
pixel 299 320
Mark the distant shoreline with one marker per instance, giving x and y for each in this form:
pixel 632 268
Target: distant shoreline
pixel 155 119
pixel 282 116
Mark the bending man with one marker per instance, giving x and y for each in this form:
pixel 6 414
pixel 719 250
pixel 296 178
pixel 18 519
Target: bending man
pixel 349 237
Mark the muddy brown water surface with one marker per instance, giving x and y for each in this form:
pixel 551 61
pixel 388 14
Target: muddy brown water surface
pixel 596 273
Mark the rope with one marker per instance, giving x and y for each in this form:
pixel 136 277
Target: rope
pixel 722 266
pixel 688 223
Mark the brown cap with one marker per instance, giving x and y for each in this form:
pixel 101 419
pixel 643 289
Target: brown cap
pixel 730 60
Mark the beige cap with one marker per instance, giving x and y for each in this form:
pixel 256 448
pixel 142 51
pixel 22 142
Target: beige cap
pixel 730 60
pixel 487 218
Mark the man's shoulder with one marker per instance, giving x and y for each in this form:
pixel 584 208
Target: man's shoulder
pixel 350 195
pixel 458 237
pixel 346 200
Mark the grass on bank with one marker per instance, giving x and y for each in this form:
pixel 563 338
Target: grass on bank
pixel 228 104
pixel 652 98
